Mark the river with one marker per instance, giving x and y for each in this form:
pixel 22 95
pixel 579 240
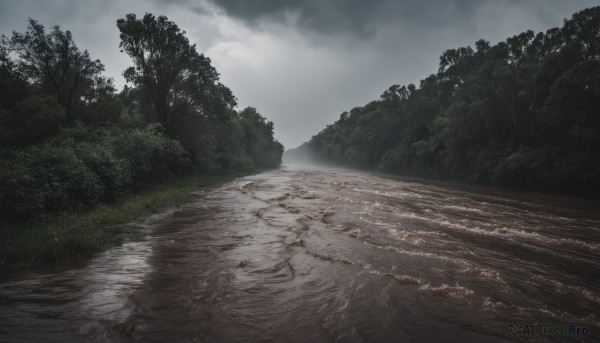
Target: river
pixel 317 255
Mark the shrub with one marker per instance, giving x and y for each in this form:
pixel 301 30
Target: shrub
pixel 114 172
pixel 30 120
pixel 152 155
pixel 46 179
pixel 84 167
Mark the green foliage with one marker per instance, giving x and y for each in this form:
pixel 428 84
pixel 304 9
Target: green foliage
pixel 523 113
pixel 29 121
pixel 178 88
pixel 152 155
pixel 114 171
pixel 53 65
pixel 178 82
pixel 68 141
pixel 45 179
pixel 259 142
pixel 70 174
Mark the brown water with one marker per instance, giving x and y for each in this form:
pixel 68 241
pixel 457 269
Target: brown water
pixel 312 255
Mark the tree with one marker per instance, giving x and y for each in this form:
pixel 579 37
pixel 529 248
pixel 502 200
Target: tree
pixel 176 81
pixel 583 31
pixel 522 113
pixel 258 132
pixel 52 63
pixel 12 87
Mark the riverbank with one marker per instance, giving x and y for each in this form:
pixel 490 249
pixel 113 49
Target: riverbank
pixel 73 235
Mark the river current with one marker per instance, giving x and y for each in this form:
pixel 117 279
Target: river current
pixel 317 255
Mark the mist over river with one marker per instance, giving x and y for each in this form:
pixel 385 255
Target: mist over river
pixel 304 254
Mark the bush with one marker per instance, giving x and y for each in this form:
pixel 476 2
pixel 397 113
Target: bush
pixel 84 167
pixel 29 121
pixel 114 172
pixel 153 156
pixel 44 179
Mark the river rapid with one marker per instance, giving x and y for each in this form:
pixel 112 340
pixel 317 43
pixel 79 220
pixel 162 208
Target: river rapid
pixel 304 254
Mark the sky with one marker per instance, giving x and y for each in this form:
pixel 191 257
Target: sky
pixel 302 63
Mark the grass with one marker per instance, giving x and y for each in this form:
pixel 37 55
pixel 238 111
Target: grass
pixel 73 235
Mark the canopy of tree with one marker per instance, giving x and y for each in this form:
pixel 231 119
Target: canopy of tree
pixel 68 140
pixel 524 113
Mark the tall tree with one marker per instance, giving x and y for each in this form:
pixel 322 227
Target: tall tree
pixel 522 113
pixel 53 63
pixel 178 82
pixel 258 132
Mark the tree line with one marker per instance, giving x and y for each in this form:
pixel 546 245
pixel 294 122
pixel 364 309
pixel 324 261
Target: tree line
pixel 69 140
pixel 523 113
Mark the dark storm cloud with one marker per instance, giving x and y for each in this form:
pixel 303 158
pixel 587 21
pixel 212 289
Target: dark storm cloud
pixel 321 16
pixel 358 17
pixel 361 17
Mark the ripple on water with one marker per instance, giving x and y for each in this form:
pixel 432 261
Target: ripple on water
pixel 322 255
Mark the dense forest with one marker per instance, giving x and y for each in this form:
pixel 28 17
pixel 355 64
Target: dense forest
pixel 69 140
pixel 523 113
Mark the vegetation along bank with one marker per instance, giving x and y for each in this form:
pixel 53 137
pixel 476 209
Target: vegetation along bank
pixel 75 151
pixel 523 113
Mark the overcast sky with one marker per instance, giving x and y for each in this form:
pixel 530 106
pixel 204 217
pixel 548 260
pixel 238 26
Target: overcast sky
pixel 302 63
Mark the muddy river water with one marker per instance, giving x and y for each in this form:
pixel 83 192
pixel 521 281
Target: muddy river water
pixel 319 255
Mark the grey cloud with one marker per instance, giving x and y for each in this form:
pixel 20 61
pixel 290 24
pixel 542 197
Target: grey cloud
pixel 358 17
pixel 361 18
